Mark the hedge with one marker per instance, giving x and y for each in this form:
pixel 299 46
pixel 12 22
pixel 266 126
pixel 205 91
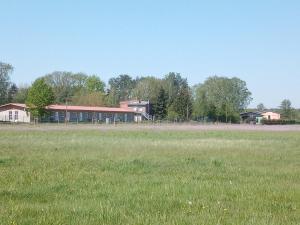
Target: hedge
pixel 279 122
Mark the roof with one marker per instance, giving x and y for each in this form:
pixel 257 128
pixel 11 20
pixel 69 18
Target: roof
pixel 89 108
pixel 14 104
pixel 247 113
pixel 135 102
pixel 76 108
pixel 258 112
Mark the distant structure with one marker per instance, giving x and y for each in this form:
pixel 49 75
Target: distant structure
pixel 257 117
pixel 129 111
pixel 142 108
pixel 14 112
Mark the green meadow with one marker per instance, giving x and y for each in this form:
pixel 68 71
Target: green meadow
pixel 86 177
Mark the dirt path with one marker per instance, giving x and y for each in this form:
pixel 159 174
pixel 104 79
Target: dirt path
pixel 158 127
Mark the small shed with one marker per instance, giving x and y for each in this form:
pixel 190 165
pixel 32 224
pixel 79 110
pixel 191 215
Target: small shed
pixel 14 112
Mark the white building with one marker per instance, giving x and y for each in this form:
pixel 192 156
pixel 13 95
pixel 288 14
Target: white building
pixel 271 116
pixel 14 112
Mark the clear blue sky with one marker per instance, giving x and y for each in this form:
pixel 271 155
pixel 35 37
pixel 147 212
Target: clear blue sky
pixel 258 41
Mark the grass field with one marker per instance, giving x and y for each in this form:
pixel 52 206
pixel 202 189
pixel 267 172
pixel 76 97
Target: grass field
pixel 124 176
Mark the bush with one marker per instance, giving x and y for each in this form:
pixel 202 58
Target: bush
pixel 278 122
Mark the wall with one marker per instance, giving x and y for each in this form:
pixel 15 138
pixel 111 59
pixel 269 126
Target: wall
pixel 23 116
pixel 271 116
pixel 88 117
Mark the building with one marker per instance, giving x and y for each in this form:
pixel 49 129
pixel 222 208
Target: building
pixel 251 117
pixel 129 111
pixel 142 108
pixel 14 112
pixel 71 113
pixel 257 117
pixel 271 116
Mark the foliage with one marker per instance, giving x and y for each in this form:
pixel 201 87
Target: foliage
pixel 121 88
pixel 89 99
pixel 21 95
pixel 147 88
pixel 40 95
pixel 286 109
pixel 179 101
pixel 222 98
pixel 12 92
pixel 65 84
pixel 278 122
pixel 161 105
pixel 5 71
pixel 261 107
pixel 182 104
pixel 94 84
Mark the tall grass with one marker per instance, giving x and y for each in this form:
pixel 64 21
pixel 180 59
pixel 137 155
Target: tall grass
pixel 147 177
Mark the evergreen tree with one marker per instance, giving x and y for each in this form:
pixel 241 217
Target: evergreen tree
pixel 12 92
pixel 161 105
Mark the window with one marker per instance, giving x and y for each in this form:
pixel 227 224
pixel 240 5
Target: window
pixel 10 115
pixel 16 115
pixel 56 116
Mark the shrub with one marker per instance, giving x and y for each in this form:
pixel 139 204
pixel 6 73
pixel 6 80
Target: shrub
pixel 278 122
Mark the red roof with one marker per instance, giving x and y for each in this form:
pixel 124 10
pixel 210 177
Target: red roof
pixel 76 108
pixel 14 104
pixel 89 108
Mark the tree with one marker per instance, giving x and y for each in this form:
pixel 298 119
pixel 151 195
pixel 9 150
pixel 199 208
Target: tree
pixel 5 70
pixel 40 95
pixel 89 99
pixel 94 84
pixel 286 109
pixel 222 98
pixel 22 94
pixel 121 88
pixel 65 84
pixel 147 88
pixel 172 83
pixel 161 105
pixel 179 98
pixel 261 107
pixel 12 92
pixel 182 103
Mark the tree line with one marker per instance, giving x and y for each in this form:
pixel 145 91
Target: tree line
pixel 217 99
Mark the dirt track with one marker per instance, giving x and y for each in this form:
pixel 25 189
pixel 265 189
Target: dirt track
pixel 158 127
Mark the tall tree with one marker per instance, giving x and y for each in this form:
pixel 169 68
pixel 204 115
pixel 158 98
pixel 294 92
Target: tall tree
pixel 65 84
pixel 40 95
pixel 179 102
pixel 223 98
pixel 261 107
pixel 182 103
pixel 12 92
pixel 172 83
pixel 22 94
pixel 286 109
pixel 5 71
pixel 147 88
pixel 121 88
pixel 94 84
pixel 160 106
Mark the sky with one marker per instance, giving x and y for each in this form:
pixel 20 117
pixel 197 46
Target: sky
pixel 257 41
